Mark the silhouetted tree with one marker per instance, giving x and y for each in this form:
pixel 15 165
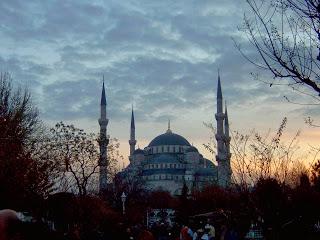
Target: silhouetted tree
pixel 24 178
pixel 256 156
pixel 286 36
pixel 315 175
pixel 76 156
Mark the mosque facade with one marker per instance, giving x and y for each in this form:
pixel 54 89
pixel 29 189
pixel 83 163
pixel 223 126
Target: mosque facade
pixel 170 162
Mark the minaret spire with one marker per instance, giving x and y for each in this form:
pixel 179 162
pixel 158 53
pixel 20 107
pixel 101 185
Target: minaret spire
pixel 219 91
pixel 103 94
pixel 103 142
pixel 132 141
pixel 222 157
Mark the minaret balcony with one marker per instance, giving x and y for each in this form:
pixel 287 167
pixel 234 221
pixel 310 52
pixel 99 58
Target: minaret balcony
pixel 219 116
pixel 103 122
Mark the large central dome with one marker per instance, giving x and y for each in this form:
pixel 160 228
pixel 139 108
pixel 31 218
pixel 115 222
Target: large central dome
pixel 169 138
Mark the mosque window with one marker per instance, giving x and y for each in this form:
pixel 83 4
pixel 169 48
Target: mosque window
pixel 162 149
pixel 167 148
pixel 161 166
pixel 170 165
pixel 174 165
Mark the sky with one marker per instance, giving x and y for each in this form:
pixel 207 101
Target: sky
pixel 162 57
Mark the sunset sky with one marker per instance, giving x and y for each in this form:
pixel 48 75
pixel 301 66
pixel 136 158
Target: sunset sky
pixel 160 56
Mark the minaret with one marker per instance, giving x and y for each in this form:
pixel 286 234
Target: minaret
pixel 227 147
pixel 104 141
pixel 220 117
pixel 226 132
pixel 221 157
pixel 132 141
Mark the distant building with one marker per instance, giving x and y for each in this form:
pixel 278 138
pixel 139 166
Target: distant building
pixel 169 161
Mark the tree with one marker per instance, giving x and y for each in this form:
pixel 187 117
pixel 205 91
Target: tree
pixel 20 128
pixel 76 156
pixel 315 175
pixel 256 156
pixel 286 35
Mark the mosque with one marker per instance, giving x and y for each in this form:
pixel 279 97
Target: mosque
pixel 169 161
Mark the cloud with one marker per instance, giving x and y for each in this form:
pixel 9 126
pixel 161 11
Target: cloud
pixel 162 56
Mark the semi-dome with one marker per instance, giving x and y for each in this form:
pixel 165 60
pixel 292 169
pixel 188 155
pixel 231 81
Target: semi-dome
pixel 169 138
pixel 192 149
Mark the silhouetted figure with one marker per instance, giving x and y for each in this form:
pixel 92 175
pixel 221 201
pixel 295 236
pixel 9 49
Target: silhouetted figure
pixel 9 224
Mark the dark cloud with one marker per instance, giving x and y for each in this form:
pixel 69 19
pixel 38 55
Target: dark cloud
pixel 162 56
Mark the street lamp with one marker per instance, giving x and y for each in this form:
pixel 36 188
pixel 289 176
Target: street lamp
pixel 123 199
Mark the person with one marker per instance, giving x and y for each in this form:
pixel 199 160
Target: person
pixel 145 235
pixel 163 232
pixel 211 230
pixel 205 235
pixel 197 234
pixel 9 221
pixel 185 233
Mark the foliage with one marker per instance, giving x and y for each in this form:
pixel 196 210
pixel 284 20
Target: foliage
pixel 315 175
pixel 20 128
pixel 255 156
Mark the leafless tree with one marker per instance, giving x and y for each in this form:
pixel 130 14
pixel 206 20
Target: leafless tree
pixel 256 156
pixel 286 36
pixel 76 155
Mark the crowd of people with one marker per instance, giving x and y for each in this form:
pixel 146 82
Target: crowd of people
pixel 11 227
pixel 191 231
